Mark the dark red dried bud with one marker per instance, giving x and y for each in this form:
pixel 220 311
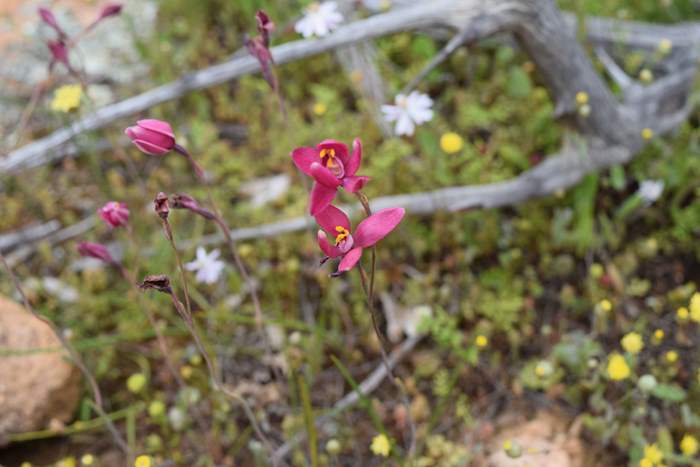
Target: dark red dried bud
pixel 182 201
pixel 265 26
pixel 158 282
pixel 111 9
pixel 161 205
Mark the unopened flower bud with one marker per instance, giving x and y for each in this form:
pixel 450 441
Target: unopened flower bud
pixel 161 206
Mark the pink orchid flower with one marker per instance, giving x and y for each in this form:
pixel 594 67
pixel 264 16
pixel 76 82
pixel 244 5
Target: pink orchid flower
pixel 331 166
pixel 59 53
pixel 154 137
pixel 114 214
pixel 348 246
pixel 95 250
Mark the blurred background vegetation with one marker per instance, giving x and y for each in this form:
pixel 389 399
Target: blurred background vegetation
pixel 553 284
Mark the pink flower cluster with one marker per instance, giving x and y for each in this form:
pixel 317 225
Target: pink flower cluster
pixel 331 166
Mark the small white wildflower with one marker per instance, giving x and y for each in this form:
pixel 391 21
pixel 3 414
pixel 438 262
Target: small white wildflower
pixel 319 19
pixel 207 266
pixel 650 190
pixel 409 111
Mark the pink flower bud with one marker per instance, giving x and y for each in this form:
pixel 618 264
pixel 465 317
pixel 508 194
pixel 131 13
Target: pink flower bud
pixel 48 17
pixel 95 250
pixel 59 52
pixel 154 137
pixel 114 214
pixel 111 9
pixel 182 201
pixel 265 26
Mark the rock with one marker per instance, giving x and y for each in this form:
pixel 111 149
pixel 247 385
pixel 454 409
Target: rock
pixel 38 389
pixel 547 440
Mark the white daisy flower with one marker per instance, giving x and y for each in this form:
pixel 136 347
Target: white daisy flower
pixel 319 19
pixel 208 267
pixel 409 111
pixel 650 190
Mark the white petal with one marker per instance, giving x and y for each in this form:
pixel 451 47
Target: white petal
pixel 404 125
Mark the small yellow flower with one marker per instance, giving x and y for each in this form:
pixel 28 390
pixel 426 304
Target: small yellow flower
pixel 617 367
pixel 581 98
pixel 25 464
pixel 689 445
pixel 653 453
pixel 646 76
pixel 136 382
pixel 143 461
pixel 632 343
pixel 87 459
pixel 682 314
pixel 451 142
pixel 507 445
pixel 186 371
pixel 381 445
pixel 644 462
pixel 695 307
pixel 665 46
pixel 659 334
pixel 320 108
pixel 66 98
pixel 481 341
pixel 596 270
pixel 671 356
pixel 647 134
pixel 605 305
pixel 156 408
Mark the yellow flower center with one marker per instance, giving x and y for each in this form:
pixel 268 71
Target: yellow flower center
pixel 343 234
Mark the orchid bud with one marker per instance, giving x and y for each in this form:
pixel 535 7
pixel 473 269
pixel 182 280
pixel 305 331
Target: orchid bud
pixel 161 205
pixel 95 250
pixel 182 201
pixel 154 137
pixel 111 9
pixel 59 52
pixel 159 282
pixel 114 214
pixel 48 17
pixel 265 26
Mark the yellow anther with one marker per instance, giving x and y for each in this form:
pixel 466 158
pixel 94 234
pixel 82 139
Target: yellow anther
pixel 343 233
pixel 327 152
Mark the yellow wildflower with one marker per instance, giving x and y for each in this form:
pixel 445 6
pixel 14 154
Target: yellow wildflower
pixel 653 453
pixel 682 314
pixel 665 46
pixel 689 445
pixel 581 98
pixel 632 343
pixel 381 445
pixel 186 371
pixel 695 307
pixel 605 305
pixel 672 356
pixel 659 334
pixel 66 462
pixel 481 341
pixel 143 461
pixel 451 142
pixel 66 98
pixel 136 382
pixel 320 108
pixel 646 76
pixel 644 462
pixel 617 367
pixel 87 459
pixel 647 134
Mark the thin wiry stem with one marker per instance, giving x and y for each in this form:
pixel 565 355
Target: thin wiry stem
pixel 75 356
pixel 368 288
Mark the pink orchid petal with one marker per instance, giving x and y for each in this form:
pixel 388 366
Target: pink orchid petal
pixel 330 218
pixel 157 126
pixel 324 176
pixel 341 150
pixel 321 197
pixel 353 164
pixel 150 149
pixel 328 249
pixel 304 157
pixel 350 259
pixel 354 183
pixel 378 226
